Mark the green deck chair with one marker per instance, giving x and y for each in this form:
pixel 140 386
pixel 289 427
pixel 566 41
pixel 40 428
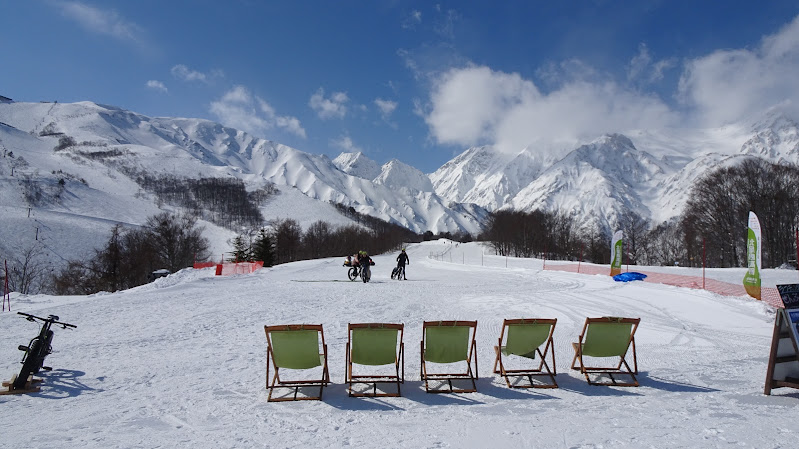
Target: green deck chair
pixel 607 337
pixel 523 339
pixel 375 345
pixel 296 347
pixel 449 342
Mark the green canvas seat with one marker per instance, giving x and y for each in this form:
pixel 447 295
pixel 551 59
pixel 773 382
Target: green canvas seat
pixel 447 342
pixel 607 337
pixel 296 347
pixel 519 344
pixel 374 345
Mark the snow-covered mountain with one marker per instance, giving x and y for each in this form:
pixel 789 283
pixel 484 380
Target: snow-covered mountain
pixel 595 181
pixel 71 171
pixel 649 172
pixel 127 142
pixel 357 164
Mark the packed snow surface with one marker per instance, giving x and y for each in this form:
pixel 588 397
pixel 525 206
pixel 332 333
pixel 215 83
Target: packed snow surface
pixel 181 362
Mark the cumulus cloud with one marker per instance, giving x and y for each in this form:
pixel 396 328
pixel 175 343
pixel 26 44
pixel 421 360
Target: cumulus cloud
pixel 472 105
pixel 334 106
pixel 476 105
pixel 386 107
pixel 728 85
pixel 105 22
pixel 346 144
pixel 157 85
pixel 240 109
pixel 184 73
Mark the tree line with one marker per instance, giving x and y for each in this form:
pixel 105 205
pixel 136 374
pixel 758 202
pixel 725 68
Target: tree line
pixel 129 257
pixel 222 201
pixel 543 234
pixel 284 240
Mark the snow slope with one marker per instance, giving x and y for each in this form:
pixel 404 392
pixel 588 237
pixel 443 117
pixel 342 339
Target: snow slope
pixel 121 144
pixel 181 362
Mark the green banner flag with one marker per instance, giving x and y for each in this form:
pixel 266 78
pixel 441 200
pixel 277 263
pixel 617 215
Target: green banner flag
pixel 616 249
pixel 752 276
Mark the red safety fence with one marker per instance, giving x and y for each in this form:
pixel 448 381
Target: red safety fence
pixel 198 265
pixel 770 295
pixel 226 269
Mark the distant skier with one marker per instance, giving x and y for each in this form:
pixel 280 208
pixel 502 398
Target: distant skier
pixel 402 260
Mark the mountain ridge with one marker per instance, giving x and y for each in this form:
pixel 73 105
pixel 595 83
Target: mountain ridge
pixel 647 172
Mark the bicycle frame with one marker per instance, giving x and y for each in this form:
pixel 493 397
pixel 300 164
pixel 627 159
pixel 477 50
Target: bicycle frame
pixel 35 352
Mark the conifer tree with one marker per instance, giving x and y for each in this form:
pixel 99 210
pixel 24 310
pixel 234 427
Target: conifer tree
pixel 241 250
pixel 263 248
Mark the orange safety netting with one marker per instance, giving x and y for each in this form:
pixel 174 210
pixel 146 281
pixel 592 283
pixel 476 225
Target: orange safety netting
pixel 226 269
pixel 198 265
pixel 769 295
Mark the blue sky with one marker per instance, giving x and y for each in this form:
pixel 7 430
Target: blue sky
pixel 419 81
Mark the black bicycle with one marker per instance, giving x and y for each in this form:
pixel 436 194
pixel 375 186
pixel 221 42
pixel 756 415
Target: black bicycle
pixel 38 348
pixel 366 273
pixel 353 273
pixel 398 272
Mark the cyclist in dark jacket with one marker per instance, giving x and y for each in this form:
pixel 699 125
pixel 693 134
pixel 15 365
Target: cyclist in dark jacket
pixel 402 260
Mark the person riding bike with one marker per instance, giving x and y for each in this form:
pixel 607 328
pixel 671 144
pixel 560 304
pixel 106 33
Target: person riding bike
pixel 365 262
pixel 402 260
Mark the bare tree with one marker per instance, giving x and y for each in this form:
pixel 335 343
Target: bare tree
pixel 288 240
pixel 28 273
pixel 316 239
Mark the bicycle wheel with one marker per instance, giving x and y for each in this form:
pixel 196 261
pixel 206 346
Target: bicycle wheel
pixel 352 273
pixel 366 274
pixel 394 273
pixel 29 365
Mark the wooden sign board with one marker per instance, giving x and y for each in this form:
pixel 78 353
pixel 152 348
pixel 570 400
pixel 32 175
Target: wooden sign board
pixel 783 364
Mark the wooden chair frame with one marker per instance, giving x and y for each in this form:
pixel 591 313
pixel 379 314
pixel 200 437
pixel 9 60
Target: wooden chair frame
pixel 277 382
pixel 622 368
pixel 542 371
pixel 470 374
pixel 399 363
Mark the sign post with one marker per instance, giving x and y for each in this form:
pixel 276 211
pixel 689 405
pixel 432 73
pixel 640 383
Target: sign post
pixel 6 291
pixel 783 363
pixel 616 250
pixel 751 279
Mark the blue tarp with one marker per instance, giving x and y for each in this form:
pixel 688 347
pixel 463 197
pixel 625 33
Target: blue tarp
pixel 629 276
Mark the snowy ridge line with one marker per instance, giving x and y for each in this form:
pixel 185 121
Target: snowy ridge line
pixel 769 295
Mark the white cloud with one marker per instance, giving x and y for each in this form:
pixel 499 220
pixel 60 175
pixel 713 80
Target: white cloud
pixel 239 109
pixel 642 68
pixel 473 105
pixel 476 105
pixel 639 63
pixel 96 20
pixel 728 85
pixel 445 26
pixel 157 85
pixel 331 107
pixel 412 19
pixel 184 73
pixel 346 144
pixel 386 107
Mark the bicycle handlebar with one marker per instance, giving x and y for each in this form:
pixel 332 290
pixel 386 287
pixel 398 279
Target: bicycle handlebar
pixel 52 319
